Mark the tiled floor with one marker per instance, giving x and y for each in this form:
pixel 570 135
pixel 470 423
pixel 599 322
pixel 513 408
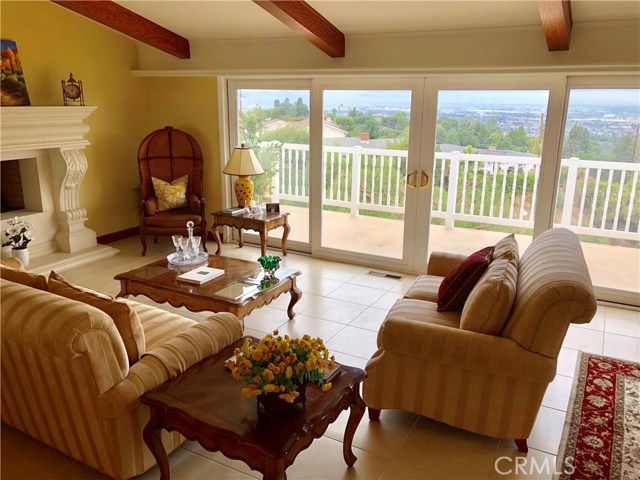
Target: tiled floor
pixel 402 445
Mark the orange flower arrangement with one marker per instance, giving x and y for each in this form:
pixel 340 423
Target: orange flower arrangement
pixel 280 364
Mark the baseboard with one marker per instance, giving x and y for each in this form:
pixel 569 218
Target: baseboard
pixel 121 235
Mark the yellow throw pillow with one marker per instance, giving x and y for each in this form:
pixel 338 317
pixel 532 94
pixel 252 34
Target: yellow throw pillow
pixel 171 195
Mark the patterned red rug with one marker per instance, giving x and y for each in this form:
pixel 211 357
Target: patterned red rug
pixel 601 438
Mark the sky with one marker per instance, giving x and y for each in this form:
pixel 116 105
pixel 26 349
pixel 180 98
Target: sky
pixel 402 99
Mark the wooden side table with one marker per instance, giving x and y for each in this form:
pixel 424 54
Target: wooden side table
pixel 204 404
pixel 259 223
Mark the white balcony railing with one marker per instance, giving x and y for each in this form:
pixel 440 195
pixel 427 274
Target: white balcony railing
pixel 595 198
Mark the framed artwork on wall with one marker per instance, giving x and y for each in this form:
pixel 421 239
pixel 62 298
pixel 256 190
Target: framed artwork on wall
pixel 13 86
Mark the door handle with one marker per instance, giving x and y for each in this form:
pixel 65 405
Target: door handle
pixel 424 179
pixel 411 179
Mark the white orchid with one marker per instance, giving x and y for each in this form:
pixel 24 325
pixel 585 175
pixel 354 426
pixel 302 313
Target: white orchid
pixel 18 232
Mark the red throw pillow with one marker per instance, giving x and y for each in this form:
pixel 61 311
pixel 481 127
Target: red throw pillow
pixel 459 282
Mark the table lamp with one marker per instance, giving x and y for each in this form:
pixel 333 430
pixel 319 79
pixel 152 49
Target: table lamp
pixel 243 163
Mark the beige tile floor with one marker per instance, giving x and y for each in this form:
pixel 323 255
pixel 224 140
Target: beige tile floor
pixel 345 306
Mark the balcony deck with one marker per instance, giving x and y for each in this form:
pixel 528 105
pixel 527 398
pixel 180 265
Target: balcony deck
pixel 610 266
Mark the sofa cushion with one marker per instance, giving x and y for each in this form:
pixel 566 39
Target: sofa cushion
pixel 459 282
pixel 489 303
pixel 425 288
pixel 124 317
pixel 423 312
pixel 25 278
pixel 506 247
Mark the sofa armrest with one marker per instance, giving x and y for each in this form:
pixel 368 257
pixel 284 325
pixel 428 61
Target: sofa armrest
pixel 169 360
pixel 464 350
pixel 440 263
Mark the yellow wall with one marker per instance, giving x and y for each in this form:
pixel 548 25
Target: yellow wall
pixel 53 41
pixel 605 44
pixel 190 104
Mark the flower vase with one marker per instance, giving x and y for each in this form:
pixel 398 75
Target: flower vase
pixel 269 275
pixel 22 254
pixel 272 404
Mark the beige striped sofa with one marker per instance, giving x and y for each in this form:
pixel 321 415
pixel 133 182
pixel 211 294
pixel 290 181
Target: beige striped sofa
pixel 67 379
pixel 486 368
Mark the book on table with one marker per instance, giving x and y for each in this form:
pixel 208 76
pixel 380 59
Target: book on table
pixel 200 275
pixel 233 210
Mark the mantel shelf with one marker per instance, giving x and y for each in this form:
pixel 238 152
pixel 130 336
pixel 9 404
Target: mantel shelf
pixel 32 128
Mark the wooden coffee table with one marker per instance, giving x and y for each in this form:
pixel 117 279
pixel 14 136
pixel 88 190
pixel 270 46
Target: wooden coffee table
pixel 205 404
pixel 157 280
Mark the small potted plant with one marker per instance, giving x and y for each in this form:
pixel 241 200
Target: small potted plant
pixel 270 264
pixel 277 369
pixel 18 236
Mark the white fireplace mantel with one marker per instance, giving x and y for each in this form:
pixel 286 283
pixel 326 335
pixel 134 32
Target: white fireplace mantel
pixel 55 138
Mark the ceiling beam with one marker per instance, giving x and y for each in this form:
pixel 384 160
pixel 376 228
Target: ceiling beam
pixel 556 22
pixel 125 21
pixel 308 23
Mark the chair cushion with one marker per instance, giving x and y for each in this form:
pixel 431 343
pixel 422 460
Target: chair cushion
pixel 425 288
pixel 24 278
pixel 124 317
pixel 459 282
pixel 176 218
pixel 489 304
pixel 171 195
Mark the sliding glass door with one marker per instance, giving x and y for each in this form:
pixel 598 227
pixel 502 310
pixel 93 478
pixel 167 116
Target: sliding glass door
pixel 598 194
pixel 274 121
pixel 369 170
pixel 486 170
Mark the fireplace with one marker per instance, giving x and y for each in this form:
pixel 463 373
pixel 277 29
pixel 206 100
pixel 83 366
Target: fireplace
pixel 42 151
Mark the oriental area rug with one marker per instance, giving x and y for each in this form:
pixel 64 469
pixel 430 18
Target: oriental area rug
pixel 601 438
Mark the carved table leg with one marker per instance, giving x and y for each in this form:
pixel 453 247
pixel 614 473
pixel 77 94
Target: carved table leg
pixel 240 238
pixel 152 436
pixel 275 471
pixel 263 241
pixel 357 411
pixel 285 235
pixel 296 294
pixel 216 235
pixel 123 290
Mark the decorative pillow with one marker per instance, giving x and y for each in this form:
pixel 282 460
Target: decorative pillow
pixel 459 282
pixel 491 300
pixel 124 317
pixel 25 278
pixel 507 248
pixel 171 195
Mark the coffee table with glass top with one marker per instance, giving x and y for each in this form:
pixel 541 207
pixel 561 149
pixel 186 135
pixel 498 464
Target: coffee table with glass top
pixel 238 290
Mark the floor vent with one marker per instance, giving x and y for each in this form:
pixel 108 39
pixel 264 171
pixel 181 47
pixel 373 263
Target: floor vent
pixel 384 275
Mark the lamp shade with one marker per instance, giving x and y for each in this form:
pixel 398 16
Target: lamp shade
pixel 243 162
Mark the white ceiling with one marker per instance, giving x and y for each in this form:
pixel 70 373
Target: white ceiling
pixel 236 19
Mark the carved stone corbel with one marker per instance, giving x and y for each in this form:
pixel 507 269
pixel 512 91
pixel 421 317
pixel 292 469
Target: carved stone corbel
pixel 69 168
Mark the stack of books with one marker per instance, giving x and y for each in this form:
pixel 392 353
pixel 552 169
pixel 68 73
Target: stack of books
pixel 233 210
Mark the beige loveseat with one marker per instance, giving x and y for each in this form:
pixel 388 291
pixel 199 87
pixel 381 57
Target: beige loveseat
pixel 70 380
pixel 486 368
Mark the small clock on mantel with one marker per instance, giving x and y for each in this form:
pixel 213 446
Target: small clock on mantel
pixel 72 93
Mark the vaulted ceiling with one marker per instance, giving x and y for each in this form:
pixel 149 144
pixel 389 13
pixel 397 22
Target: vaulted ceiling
pixel 170 25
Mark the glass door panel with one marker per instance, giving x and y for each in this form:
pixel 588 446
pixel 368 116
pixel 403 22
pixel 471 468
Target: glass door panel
pixel 486 167
pixel 275 123
pixel 598 193
pixel 365 153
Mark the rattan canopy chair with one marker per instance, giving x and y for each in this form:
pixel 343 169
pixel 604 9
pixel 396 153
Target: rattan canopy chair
pixel 168 155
